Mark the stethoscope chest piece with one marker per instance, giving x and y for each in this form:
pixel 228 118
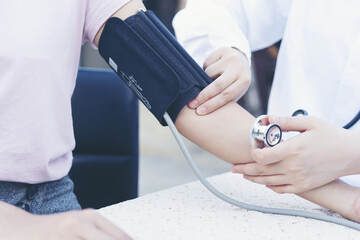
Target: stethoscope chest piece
pixel 264 134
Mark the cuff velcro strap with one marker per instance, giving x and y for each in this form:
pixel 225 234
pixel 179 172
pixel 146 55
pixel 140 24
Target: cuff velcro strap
pixel 152 63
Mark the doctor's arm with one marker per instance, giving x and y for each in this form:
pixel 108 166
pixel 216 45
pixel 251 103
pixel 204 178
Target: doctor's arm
pixel 308 164
pixel 338 197
pixel 214 40
pixel 220 36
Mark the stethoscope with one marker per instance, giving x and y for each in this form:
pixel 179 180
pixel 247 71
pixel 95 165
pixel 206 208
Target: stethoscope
pixel 353 121
pixel 264 134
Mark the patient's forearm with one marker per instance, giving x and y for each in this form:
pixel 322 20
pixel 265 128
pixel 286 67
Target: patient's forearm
pixel 338 197
pixel 224 132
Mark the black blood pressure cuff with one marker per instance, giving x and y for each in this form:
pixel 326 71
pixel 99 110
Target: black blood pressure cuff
pixel 152 63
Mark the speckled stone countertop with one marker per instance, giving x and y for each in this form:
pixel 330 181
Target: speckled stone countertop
pixel 191 212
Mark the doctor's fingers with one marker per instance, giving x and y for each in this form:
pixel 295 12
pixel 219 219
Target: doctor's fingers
pixel 214 57
pixel 223 80
pixel 298 123
pixel 231 93
pixel 228 53
pixel 288 188
pixel 217 69
pixel 272 180
pixel 269 155
pixel 255 169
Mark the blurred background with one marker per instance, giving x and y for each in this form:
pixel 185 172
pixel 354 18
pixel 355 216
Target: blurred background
pixel 162 164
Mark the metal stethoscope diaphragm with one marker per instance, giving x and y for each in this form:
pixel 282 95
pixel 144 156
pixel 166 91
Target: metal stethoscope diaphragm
pixel 264 134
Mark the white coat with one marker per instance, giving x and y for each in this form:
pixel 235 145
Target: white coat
pixel 318 67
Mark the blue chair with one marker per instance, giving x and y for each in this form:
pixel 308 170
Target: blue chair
pixel 106 157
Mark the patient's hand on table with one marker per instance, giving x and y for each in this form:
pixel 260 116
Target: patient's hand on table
pixel 16 224
pixel 231 71
pixel 322 153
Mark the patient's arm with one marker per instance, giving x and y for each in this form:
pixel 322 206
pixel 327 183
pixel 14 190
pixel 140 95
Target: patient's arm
pixel 224 132
pixel 338 197
pixel 130 8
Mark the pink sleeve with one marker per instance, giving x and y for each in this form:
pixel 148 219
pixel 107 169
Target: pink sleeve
pixel 97 12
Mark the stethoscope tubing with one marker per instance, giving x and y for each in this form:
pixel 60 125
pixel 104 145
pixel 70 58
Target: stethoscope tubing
pixel 346 126
pixel 352 122
pixel 278 211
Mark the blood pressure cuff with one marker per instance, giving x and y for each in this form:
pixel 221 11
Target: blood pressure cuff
pixel 152 63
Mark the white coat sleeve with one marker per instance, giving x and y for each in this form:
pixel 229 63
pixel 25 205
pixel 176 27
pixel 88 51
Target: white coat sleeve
pixel 248 25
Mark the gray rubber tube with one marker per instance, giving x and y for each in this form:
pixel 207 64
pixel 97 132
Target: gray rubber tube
pixel 279 211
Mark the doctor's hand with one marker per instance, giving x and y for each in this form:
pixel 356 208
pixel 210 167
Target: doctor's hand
pixel 230 70
pixel 322 153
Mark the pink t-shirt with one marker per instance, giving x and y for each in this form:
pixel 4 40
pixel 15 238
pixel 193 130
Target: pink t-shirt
pixel 40 45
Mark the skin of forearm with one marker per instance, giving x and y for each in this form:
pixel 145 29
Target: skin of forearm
pixel 338 197
pixel 225 132
pixel 353 155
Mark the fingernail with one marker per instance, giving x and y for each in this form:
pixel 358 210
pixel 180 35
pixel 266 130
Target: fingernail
pixel 233 170
pixel 245 176
pixel 201 110
pixel 193 104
